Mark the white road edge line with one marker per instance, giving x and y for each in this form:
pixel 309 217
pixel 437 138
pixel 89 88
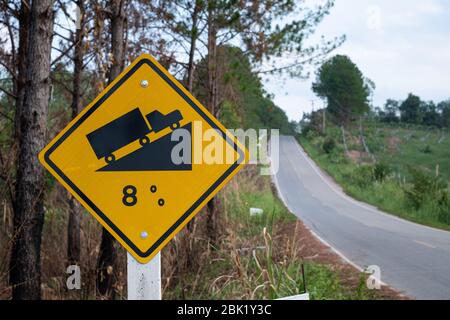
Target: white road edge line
pixel 343 195
pixel 425 244
pixel 340 254
pixel 336 251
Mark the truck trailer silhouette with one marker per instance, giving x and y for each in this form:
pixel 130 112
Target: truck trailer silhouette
pixel 129 128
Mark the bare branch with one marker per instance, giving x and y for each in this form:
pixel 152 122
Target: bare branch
pixel 62 84
pixel 10 94
pixel 8 68
pixel 4 115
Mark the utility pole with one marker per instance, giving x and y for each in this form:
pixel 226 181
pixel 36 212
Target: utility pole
pixel 324 119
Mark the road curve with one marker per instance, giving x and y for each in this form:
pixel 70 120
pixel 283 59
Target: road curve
pixel 413 259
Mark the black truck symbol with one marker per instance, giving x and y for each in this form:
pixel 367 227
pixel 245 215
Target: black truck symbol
pixel 129 128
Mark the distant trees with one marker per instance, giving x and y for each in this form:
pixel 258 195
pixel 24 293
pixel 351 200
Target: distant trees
pixel 410 109
pixel 347 93
pixel 243 101
pixel 444 109
pixel 391 111
pixel 429 113
pixel 414 110
pixel 344 87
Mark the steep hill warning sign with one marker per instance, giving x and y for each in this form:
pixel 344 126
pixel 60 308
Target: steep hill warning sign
pixel 144 157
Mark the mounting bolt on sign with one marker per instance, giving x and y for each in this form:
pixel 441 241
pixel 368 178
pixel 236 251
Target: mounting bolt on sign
pixel 144 83
pixel 115 158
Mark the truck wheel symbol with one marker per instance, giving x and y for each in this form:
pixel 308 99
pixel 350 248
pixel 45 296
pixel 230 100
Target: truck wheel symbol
pixel 110 158
pixel 144 140
pixel 175 125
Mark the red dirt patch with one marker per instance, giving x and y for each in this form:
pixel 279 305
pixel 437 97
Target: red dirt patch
pixel 358 156
pixel 393 144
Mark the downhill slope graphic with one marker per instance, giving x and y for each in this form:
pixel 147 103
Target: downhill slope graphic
pixel 153 156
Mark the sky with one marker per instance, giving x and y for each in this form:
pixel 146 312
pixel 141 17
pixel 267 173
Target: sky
pixel 402 45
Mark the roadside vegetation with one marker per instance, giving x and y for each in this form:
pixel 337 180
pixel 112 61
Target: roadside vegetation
pixel 396 158
pixel 261 257
pixel 404 180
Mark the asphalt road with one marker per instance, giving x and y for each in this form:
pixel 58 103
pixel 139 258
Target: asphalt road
pixel 413 259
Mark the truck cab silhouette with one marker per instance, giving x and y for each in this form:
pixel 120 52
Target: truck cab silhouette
pixel 159 122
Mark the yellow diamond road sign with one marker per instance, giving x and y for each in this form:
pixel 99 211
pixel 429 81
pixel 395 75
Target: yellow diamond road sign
pixel 144 157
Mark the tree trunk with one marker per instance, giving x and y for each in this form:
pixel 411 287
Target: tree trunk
pixel 190 82
pixel 106 266
pixel 117 38
pixel 24 24
pixel 25 270
pixel 212 62
pixel 194 36
pixel 74 228
pixel 211 106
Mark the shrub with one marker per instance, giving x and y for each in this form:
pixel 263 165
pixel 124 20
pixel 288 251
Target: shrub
pixel 381 171
pixel 362 176
pixel 306 130
pixel 427 150
pixel 444 207
pixel 425 188
pixel 329 145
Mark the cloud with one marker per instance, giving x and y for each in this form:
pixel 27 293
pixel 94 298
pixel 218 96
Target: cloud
pixel 402 45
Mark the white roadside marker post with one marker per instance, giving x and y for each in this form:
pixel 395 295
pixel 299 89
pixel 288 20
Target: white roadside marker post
pixel 144 280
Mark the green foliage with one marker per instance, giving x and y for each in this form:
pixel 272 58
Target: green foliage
pixel 444 208
pixel 343 85
pixel 329 145
pixel 381 171
pixel 362 176
pixel 245 102
pixel 444 108
pixel 425 188
pixel 389 184
pixel 416 111
pixel 429 192
pixel 263 272
pixel 389 114
pixel 429 114
pixel 410 109
pixel 229 116
pixel 427 149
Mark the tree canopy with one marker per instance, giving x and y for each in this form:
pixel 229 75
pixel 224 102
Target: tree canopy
pixel 344 87
pixel 244 103
pixel 410 109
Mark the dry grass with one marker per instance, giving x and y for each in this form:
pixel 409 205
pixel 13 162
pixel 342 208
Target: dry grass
pixel 253 257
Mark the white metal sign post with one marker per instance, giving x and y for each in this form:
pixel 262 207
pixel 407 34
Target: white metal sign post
pixel 144 280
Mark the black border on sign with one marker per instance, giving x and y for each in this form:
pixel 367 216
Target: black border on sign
pixel 94 207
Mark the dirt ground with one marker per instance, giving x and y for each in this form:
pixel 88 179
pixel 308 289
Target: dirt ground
pixel 360 157
pixel 393 144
